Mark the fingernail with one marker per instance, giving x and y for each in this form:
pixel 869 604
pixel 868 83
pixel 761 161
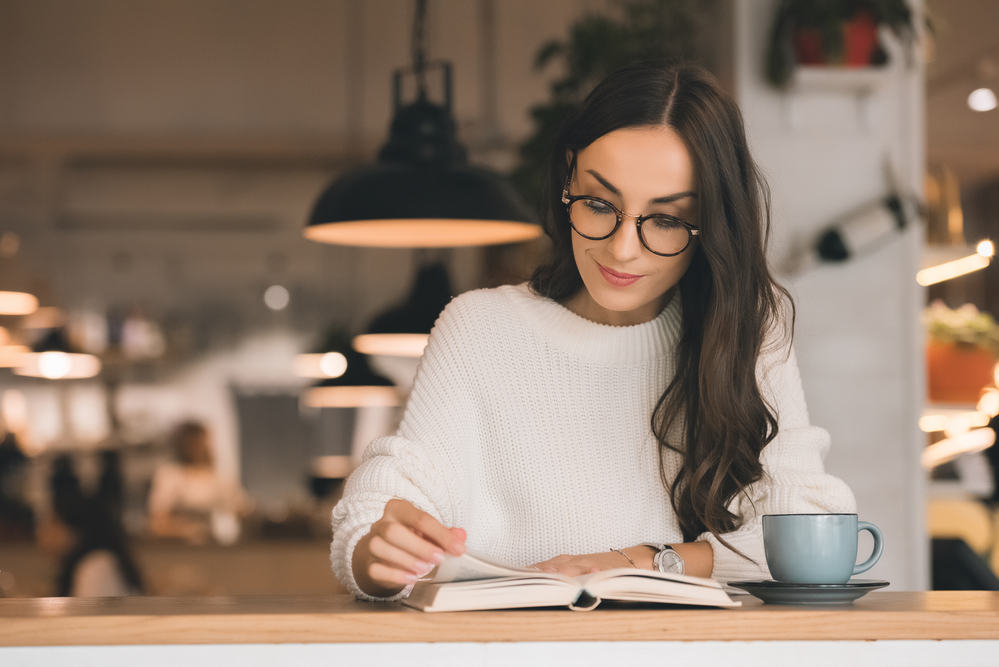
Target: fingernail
pixel 410 578
pixel 437 558
pixel 457 549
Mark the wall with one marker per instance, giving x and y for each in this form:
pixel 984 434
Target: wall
pixel 858 336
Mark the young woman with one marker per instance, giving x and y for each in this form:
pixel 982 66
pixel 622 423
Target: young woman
pixel 186 497
pixel 638 402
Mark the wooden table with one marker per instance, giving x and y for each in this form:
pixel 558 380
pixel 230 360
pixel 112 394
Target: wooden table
pixel 884 628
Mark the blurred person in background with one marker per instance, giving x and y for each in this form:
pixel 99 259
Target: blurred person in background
pixel 188 500
pixel 17 521
pixel 86 534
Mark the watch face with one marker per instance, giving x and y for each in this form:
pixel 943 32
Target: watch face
pixel 670 561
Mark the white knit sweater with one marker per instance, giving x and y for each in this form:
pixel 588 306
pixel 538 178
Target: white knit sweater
pixel 529 427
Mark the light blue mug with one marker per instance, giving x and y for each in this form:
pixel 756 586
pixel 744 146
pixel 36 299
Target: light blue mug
pixel 816 548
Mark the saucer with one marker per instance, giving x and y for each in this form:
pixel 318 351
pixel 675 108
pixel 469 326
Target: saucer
pixel 776 592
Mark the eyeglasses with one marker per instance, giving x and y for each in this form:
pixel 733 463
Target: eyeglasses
pixel 597 219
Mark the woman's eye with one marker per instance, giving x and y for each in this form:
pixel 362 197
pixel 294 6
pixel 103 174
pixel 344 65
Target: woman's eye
pixel 665 222
pixel 598 208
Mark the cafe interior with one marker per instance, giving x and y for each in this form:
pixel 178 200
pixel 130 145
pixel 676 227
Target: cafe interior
pixel 221 258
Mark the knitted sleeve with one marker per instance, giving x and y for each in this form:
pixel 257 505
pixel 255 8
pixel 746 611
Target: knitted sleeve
pixel 420 462
pixel 794 480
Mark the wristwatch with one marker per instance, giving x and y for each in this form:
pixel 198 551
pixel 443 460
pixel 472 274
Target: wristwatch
pixel 666 560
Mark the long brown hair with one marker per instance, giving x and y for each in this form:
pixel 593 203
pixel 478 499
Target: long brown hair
pixel 731 303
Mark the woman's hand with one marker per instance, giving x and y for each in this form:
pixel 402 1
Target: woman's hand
pixel 402 546
pixel 573 566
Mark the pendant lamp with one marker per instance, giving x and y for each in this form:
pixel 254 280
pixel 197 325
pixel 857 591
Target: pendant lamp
pixel 422 193
pixel 348 380
pixel 358 387
pixel 17 303
pixel 403 330
pixel 52 358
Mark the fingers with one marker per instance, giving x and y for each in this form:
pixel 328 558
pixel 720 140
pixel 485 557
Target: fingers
pixel 396 545
pixel 450 541
pixel 402 546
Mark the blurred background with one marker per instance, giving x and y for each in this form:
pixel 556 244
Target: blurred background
pixel 182 389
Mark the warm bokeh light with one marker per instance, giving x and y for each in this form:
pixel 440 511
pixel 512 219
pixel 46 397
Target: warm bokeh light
pixel 950 448
pixel 982 99
pixel 331 467
pixel 17 303
pixel 276 297
pixel 11 355
pixel 989 402
pixel 55 365
pixel 328 365
pixel 965 422
pixel 350 397
pixel 933 423
pixel 959 267
pixel 954 423
pixel 986 249
pixel 392 345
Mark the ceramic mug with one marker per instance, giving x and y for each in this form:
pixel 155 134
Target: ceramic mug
pixel 816 548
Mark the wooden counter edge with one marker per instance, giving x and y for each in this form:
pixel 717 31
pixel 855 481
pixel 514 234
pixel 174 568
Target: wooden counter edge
pixel 509 626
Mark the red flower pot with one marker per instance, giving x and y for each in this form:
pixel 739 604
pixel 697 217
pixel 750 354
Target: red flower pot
pixel 860 40
pixel 957 373
pixel 860 43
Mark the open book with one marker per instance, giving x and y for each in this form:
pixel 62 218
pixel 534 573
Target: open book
pixel 473 582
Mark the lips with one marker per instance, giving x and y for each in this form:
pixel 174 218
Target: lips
pixel 616 278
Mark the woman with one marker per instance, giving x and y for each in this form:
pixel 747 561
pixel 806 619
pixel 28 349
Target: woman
pixel 187 499
pixel 638 404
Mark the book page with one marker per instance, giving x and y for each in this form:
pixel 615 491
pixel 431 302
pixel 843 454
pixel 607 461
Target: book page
pixel 473 567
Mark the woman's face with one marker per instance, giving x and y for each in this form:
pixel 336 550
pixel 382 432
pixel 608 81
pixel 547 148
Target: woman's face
pixel 641 171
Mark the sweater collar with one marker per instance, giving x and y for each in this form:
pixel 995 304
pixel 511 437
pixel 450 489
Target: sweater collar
pixel 636 344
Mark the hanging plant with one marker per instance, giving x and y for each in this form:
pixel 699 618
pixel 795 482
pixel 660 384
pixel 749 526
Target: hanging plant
pixel 840 33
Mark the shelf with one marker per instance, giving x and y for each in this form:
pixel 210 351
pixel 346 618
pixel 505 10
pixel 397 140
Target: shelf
pixel 854 80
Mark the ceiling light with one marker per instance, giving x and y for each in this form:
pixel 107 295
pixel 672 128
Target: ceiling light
pixel 320 365
pixel 17 303
pixel 277 297
pixel 982 99
pixel 950 448
pixel 986 249
pixel 422 193
pixel 53 359
pixel 959 267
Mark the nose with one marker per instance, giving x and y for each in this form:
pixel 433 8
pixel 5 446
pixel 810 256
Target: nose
pixel 625 244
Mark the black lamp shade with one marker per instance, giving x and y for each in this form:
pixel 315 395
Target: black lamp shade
pixel 403 330
pixel 404 205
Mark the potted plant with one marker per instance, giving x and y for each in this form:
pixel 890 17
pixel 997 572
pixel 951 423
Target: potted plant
pixel 962 347
pixel 842 33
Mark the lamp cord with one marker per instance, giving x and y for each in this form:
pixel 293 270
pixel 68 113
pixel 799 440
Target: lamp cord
pixel 419 47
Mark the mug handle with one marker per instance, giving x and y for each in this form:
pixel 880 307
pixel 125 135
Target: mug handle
pixel 878 546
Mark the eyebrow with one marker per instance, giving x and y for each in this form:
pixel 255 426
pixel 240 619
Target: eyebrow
pixel 668 199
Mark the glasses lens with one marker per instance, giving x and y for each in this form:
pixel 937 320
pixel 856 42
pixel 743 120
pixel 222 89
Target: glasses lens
pixel 665 235
pixel 592 218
